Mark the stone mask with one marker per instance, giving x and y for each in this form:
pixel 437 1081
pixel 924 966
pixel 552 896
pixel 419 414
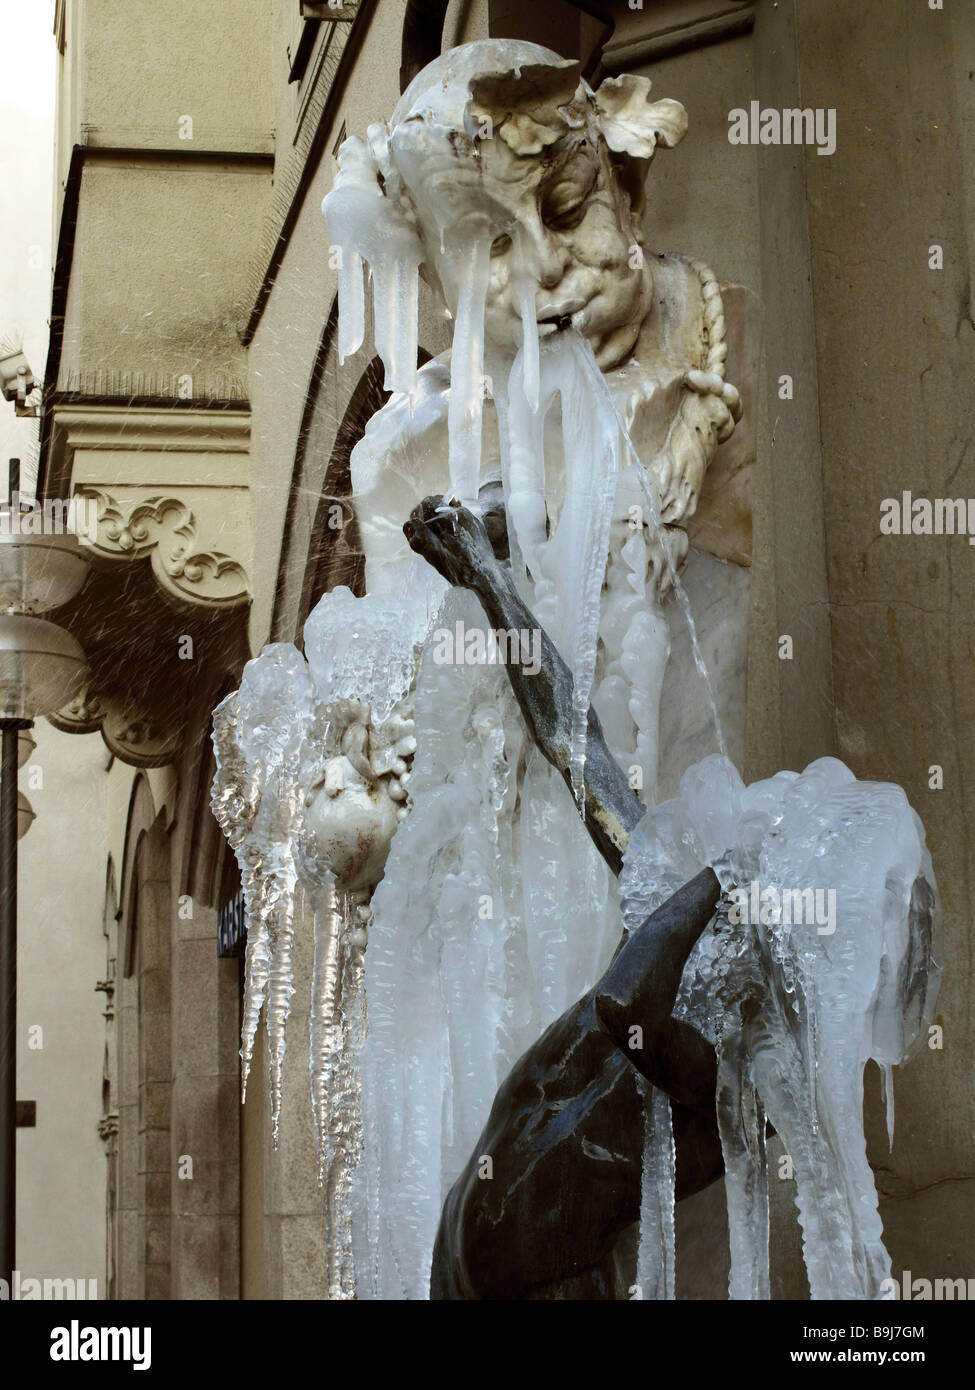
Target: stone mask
pixel 502 140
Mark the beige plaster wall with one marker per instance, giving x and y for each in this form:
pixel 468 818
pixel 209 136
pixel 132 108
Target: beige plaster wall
pixel 158 281
pixel 149 63
pixel 61 883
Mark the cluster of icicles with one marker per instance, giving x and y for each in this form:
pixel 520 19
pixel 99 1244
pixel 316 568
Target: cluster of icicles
pixel 795 1001
pixel 271 739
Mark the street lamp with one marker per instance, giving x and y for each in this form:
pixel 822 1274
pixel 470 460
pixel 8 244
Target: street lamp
pixel 42 667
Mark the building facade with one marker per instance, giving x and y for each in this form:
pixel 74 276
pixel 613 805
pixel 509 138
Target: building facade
pixel 193 390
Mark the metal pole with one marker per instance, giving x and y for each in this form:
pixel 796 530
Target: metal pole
pixel 8 998
pixel 8 973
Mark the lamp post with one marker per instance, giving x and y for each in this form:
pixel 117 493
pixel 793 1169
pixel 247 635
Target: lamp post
pixel 41 668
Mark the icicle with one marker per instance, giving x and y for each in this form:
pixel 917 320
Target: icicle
pixel 888 1072
pixel 256 974
pixel 257 797
pixel 369 222
pixel 592 457
pixel 352 303
pixel 470 265
pixel 596 377
pixel 353 207
pixel 278 912
pixel 523 465
pixel 569 568
pixel 643 661
pixel 323 1022
pixel 655 1266
pixel 525 289
pixel 345 1120
pixel 741 1124
pixel 336 1028
pixel 395 284
pixel 234 799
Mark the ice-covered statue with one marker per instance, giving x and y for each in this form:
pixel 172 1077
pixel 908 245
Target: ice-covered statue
pixel 408 769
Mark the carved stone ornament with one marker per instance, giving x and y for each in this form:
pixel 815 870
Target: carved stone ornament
pixel 139 741
pixel 163 614
pixel 165 529
pixel 150 658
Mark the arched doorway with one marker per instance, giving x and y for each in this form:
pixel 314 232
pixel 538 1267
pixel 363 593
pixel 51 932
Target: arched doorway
pixel 145 1057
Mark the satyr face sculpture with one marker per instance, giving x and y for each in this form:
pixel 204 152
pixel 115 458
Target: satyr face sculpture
pixel 508 136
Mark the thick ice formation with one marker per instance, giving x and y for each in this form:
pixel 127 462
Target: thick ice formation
pixel 466 961
pixel 662 538
pixel 272 738
pixel 257 798
pixel 820 957
pixel 439 1043
pixel 470 958
pixel 365 648
pixel 568 568
pixel 368 224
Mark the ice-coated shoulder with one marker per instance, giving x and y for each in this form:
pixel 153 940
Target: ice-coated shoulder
pixel 850 852
pixel 394 431
pixel 366 648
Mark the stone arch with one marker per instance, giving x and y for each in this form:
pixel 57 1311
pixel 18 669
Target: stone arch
pixel 108 1125
pixel 141 814
pixel 144 1053
pixel 315 555
pixel 334 555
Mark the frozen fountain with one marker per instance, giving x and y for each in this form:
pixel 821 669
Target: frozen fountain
pixel 407 777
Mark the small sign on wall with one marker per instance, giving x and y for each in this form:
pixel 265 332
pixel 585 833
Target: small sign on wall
pixel 231 926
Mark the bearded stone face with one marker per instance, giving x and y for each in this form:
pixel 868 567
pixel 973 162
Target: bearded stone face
pixel 561 227
pixel 503 143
